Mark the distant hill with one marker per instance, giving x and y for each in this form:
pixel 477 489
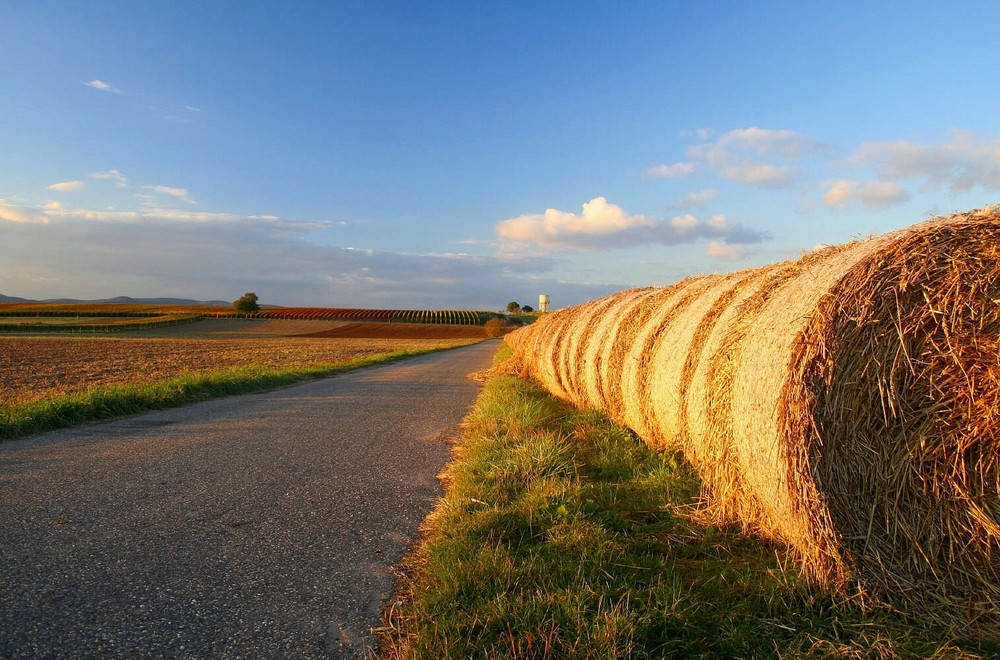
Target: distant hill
pixel 125 300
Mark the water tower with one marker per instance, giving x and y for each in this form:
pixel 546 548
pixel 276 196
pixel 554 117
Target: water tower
pixel 543 302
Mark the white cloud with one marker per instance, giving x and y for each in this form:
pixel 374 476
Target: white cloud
pixel 177 216
pixel 719 223
pixel 684 223
pixel 179 193
pixel 20 214
pixel 603 226
pixel 872 195
pixel 675 171
pixel 115 176
pixel 167 190
pixel 726 251
pixel 103 86
pixel 785 143
pixel 739 155
pixel 964 162
pixel 694 200
pixel 759 175
pixel 66 186
pixel 97 254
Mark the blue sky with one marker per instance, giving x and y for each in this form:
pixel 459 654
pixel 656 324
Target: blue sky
pixel 465 154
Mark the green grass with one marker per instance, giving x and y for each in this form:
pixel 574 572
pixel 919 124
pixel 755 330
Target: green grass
pixel 104 403
pixel 562 535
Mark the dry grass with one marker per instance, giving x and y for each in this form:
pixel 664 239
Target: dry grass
pixel 847 403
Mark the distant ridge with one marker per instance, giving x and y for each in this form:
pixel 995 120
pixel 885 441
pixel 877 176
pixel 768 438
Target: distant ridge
pixel 125 300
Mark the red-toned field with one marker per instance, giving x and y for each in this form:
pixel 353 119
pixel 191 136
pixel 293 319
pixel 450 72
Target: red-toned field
pixel 402 331
pixel 236 328
pixel 35 367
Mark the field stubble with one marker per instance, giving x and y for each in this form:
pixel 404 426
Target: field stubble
pixel 35 368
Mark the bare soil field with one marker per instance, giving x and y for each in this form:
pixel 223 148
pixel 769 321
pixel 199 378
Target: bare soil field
pixel 33 367
pixel 236 328
pixel 402 331
pixel 231 328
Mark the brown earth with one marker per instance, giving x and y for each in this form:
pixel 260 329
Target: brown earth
pixel 33 367
pixel 257 328
pixel 402 331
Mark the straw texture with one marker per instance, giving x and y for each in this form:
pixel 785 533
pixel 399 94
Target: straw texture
pixel 847 403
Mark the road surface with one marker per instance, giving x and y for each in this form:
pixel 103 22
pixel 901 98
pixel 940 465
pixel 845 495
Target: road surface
pixel 264 525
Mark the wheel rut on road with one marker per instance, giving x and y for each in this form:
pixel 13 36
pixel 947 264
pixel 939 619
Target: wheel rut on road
pixel 262 525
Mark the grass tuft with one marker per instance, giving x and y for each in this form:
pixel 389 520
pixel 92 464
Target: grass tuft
pixel 562 535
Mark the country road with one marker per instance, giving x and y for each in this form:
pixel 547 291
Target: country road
pixel 264 525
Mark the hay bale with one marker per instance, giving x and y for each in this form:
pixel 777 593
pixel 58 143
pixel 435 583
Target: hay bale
pixel 708 442
pixel 619 362
pixel 637 365
pixel 847 403
pixel 672 348
pixel 581 332
pixel 599 371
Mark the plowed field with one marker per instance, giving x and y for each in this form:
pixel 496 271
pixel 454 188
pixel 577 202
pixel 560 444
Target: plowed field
pixel 36 367
pixel 219 328
pixel 403 331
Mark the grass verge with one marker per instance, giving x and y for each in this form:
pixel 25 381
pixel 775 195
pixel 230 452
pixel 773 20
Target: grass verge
pixel 562 535
pixel 115 401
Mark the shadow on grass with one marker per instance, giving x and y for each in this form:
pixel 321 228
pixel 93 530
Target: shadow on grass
pixel 563 535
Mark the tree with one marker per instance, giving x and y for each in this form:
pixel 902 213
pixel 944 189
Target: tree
pixel 527 309
pixel 246 304
pixel 513 307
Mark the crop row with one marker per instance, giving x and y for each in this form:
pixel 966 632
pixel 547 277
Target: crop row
pixel 439 316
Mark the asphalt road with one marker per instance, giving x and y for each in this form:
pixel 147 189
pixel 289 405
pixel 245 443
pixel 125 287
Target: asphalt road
pixel 264 525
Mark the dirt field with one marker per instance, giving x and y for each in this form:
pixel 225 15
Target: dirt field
pixel 402 331
pixel 33 367
pixel 233 328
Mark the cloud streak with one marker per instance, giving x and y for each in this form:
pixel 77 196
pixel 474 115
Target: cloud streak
pixel 675 171
pixel 66 186
pixel 756 157
pixel 179 193
pixel 696 199
pixel 603 226
pixel 94 254
pixel 748 155
pixel 962 163
pixel 103 86
pixel 116 177
pixel 21 215
pixel 873 195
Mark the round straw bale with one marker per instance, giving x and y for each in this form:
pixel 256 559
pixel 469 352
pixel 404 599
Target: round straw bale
pixel 581 340
pixel 904 429
pixel 726 494
pixel 546 341
pixel 671 349
pixel 611 339
pixel 637 353
pixel 771 462
pixel 847 403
